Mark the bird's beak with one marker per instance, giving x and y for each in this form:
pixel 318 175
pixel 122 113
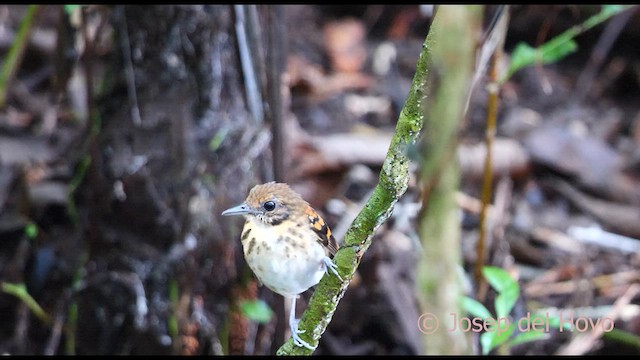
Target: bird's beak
pixel 241 209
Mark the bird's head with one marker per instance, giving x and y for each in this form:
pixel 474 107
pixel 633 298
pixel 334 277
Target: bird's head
pixel 271 203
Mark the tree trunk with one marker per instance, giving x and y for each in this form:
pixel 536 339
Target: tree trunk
pixel 176 146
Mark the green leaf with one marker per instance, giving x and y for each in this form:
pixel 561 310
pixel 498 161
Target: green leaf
pixel 172 322
pixel 494 337
pixel 560 46
pixel 506 300
pixel 528 336
pixel 523 55
pixel 20 291
pixel 498 278
pixel 256 310
pixel 502 335
pixel 474 307
pixel 31 230
pixel 486 341
pixel 69 9
pixel 218 138
pixel 609 10
pixel 557 49
pixel 554 50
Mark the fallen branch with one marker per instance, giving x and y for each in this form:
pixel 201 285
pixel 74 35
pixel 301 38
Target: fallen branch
pixel 583 342
pixel 320 154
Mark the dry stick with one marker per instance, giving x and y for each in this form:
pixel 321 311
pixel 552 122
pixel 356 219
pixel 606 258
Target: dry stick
pixel 492 39
pixel 473 205
pixel 504 190
pixel 128 69
pixel 256 45
pixel 21 329
pixel 276 53
pixel 254 97
pixel 492 112
pixel 600 282
pixel 616 217
pixel 56 332
pixel 603 46
pixel 583 342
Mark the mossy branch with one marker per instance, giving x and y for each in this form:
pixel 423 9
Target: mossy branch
pixel 392 184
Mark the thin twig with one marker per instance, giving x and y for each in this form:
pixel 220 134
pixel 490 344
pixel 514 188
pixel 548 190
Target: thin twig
pixel 499 223
pixel 254 98
pixel 492 39
pixel 487 183
pixel 276 112
pixel 20 291
pixel 13 59
pixel 599 53
pixel 600 282
pixel 604 239
pixel 56 332
pixel 583 342
pixel 128 68
pixel 256 45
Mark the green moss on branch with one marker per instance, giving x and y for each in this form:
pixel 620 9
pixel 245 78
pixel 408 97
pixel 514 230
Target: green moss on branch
pixel 392 184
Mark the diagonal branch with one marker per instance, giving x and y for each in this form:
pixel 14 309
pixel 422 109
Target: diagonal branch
pixel 391 186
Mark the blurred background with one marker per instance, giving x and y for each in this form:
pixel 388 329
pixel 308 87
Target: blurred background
pixel 126 130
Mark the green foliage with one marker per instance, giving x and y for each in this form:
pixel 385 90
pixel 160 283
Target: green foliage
pixel 218 138
pixel 12 59
pixel 560 46
pixel 31 230
pixel 256 310
pixel 20 291
pixel 69 9
pixel 80 172
pixel 507 289
pixel 70 329
pixel 474 307
pixel 174 295
pixel 500 332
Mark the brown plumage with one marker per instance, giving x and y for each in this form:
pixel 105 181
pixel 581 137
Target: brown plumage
pixel 289 204
pixel 286 243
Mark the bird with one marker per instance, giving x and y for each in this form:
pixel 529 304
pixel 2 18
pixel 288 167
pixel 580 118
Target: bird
pixel 286 243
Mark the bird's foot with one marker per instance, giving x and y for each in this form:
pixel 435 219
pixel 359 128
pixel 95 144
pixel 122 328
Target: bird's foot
pixel 330 265
pixel 296 338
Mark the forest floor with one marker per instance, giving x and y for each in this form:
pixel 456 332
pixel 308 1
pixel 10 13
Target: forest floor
pixel 565 215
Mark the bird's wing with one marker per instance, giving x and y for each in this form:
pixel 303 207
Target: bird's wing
pixel 322 229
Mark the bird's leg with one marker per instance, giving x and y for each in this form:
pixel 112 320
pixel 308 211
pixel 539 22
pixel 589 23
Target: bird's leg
pixel 293 325
pixel 330 265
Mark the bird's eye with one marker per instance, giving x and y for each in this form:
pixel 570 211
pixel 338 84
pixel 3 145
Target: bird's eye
pixel 269 205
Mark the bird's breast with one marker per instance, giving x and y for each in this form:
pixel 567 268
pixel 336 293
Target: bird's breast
pixel 286 258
